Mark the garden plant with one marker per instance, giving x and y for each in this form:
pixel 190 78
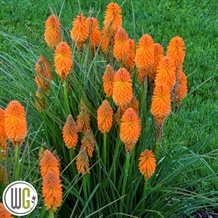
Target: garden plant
pixel 87 123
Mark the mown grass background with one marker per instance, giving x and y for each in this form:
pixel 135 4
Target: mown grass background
pixel 195 126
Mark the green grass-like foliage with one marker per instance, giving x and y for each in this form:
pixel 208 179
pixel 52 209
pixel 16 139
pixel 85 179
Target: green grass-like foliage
pixel 171 192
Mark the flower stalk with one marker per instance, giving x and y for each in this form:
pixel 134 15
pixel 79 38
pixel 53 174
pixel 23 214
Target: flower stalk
pixel 51 213
pixel 66 96
pixel 17 166
pixel 105 150
pixel 126 170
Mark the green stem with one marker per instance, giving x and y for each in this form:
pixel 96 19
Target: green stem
pixel 84 184
pixel 71 158
pixel 126 169
pixel 145 188
pixel 51 213
pixel 42 212
pixel 116 152
pixel 17 166
pixel 156 148
pixel 105 150
pixel 66 97
pixel 132 159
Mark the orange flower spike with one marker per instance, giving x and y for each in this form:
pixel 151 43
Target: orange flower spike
pixel 142 73
pixel 166 72
pixel 134 104
pixel 15 123
pixel 80 30
pixel 130 128
pixel 180 87
pixel 94 32
pixel 52 31
pixel 3 212
pixel 105 40
pixel 70 132
pixel 82 161
pixel 113 17
pixel 160 105
pixel 52 190
pixel 88 142
pixel 122 87
pixel 130 61
pixel 3 137
pixel 83 119
pixel 108 79
pixel 63 60
pixel 158 54
pixel 121 45
pixel 105 117
pixel 147 164
pixel 49 163
pixel 43 69
pixel 144 57
pixel 176 50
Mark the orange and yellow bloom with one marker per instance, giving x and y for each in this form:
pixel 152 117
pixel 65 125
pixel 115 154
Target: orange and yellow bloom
pixel 44 75
pixel 15 123
pixel 108 79
pixel 80 30
pixel 105 117
pixel 113 17
pixel 158 54
pixel 122 87
pixel 180 87
pixel 49 163
pixel 88 142
pixel 82 161
pixel 63 60
pixel 52 31
pixel 144 58
pixel 176 50
pixel 83 119
pixel 52 191
pixel 70 132
pixel 121 46
pixel 147 163
pixel 130 61
pixel 94 32
pixel 166 73
pixel 130 128
pixel 160 105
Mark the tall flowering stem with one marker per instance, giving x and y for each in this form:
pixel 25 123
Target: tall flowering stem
pixel 17 166
pixel 84 184
pixel 71 158
pixel 66 96
pixel 145 189
pixel 105 150
pixel 51 213
pixel 126 171
pixel 116 155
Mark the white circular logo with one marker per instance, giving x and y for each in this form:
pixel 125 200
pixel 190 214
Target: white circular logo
pixel 20 198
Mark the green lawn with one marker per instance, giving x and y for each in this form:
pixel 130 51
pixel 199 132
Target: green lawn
pixel 196 124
